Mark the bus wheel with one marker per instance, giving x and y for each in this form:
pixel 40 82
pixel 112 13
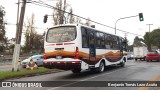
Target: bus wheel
pixel 144 58
pixel 101 67
pixel 135 59
pixel 122 64
pixel 76 70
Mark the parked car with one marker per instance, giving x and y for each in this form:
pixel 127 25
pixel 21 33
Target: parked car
pixel 154 55
pixel 130 55
pixel 38 59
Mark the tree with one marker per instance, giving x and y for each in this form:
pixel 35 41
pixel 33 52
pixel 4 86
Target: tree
pixel 88 22
pixel 148 40
pixel 137 41
pixel 78 20
pixel 29 34
pixel 70 17
pixel 33 41
pixel 130 48
pixel 3 39
pixel 11 47
pixel 155 34
pixel 59 17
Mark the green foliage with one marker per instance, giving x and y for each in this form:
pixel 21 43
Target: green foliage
pixel 152 39
pixel 137 41
pixel 3 39
pixel 1 48
pixel 130 48
pixel 148 40
pixel 155 34
pixel 23 72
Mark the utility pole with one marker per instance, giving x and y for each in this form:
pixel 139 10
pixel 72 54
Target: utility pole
pixel 125 37
pixel 18 38
pixel 149 26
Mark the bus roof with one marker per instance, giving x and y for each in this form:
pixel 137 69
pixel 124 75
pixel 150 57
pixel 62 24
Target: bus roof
pixel 83 26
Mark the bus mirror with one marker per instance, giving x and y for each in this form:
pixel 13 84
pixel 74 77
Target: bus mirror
pixel 93 26
pixel 124 42
pixel 45 18
pixel 124 45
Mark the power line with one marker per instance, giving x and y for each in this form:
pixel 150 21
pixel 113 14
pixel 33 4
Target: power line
pixel 25 26
pixel 40 3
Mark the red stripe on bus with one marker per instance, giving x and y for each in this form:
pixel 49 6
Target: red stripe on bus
pixel 50 45
pixel 59 44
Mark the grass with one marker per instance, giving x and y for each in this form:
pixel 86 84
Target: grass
pixel 23 72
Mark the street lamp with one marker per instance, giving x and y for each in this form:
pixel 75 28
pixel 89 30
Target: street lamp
pixel 140 18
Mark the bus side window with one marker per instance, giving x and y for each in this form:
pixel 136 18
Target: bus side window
pixel 120 43
pixel 85 43
pixel 107 43
pixel 98 40
pixel 111 41
pixel 92 39
pixel 117 43
pixel 102 41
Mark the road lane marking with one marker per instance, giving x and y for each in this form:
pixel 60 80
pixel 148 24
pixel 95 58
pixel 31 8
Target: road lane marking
pixel 156 78
pixel 86 79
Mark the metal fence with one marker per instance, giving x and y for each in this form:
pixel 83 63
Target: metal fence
pixel 3 60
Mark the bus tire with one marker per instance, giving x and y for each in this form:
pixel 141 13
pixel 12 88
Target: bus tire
pixel 144 58
pixel 101 67
pixel 77 70
pixel 135 59
pixel 122 64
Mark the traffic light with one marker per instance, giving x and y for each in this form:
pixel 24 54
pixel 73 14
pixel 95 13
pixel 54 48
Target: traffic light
pixel 45 18
pixel 141 17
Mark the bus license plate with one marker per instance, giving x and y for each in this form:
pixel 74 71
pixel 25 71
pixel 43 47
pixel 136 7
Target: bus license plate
pixel 59 57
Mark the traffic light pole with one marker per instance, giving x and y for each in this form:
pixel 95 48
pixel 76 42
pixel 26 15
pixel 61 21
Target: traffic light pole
pixel 18 38
pixel 121 19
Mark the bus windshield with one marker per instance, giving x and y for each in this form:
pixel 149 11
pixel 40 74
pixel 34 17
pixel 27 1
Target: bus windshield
pixel 61 34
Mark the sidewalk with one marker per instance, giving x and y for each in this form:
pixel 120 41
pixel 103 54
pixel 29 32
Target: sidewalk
pixel 5 66
pixel 5 63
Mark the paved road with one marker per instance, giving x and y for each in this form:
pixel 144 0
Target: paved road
pixel 133 71
pixel 6 66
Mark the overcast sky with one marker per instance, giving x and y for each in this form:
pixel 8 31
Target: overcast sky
pixel 102 11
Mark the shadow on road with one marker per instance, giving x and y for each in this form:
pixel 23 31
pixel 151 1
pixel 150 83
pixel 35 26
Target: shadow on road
pixel 88 73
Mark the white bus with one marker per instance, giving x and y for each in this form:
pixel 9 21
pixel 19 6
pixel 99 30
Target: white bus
pixel 77 47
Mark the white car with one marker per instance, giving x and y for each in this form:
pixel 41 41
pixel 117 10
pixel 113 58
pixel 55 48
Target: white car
pixel 130 55
pixel 38 59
